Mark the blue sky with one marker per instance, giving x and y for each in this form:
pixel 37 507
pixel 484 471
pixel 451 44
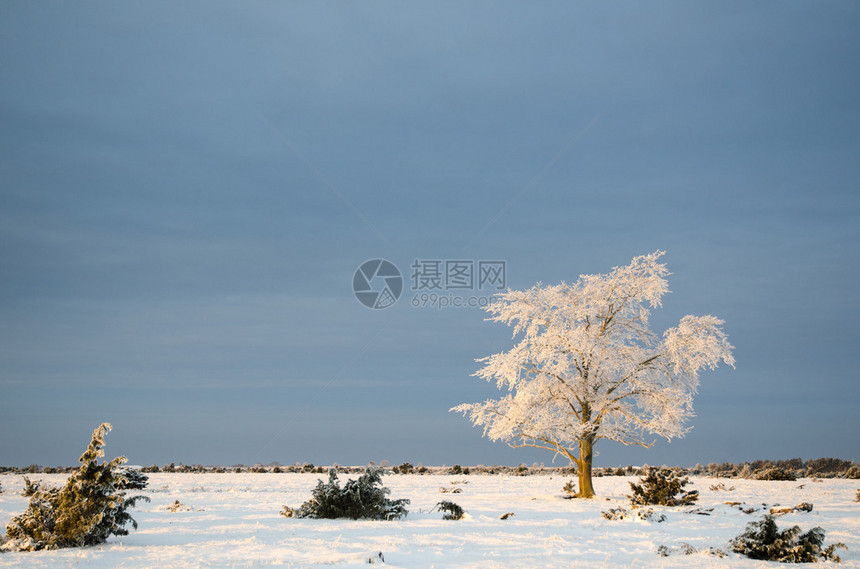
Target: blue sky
pixel 187 188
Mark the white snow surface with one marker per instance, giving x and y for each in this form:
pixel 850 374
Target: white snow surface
pixel 234 521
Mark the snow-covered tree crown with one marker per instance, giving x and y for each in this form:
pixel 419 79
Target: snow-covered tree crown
pixel 588 365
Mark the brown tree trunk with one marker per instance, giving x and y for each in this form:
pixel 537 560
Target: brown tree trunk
pixel 583 467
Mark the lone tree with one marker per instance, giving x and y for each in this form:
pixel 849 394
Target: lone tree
pixel 588 367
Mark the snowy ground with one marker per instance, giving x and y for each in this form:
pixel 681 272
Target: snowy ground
pixel 234 522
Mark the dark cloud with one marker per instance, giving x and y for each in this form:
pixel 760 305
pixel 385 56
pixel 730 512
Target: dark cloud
pixel 186 189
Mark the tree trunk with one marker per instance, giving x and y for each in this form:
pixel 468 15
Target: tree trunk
pixel 583 467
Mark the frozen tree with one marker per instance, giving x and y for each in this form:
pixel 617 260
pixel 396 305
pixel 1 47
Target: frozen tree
pixel 588 367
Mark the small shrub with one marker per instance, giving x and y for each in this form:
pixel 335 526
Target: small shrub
pixel 763 540
pixel 405 468
pixel 451 510
pixel 662 487
pixel 646 514
pixel 134 479
pixel 456 469
pixel 30 487
pixel 88 509
pixel 569 489
pixel 828 467
pixel 802 507
pixel 721 486
pixel 791 464
pixel 687 549
pixel 364 498
pixel 288 512
pixel 616 514
pixel 177 506
pixel 774 473
pixel 857 496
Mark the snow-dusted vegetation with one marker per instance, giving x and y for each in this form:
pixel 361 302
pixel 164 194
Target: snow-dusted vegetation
pixel 233 520
pixel 587 365
pixel 90 506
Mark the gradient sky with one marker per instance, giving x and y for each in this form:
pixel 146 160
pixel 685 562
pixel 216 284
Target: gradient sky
pixel 186 189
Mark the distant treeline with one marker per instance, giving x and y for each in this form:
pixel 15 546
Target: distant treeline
pixel 789 469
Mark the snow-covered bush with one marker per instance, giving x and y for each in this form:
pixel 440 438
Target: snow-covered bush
pixel 86 511
pixel 364 498
pixel 687 549
pixel 451 510
pixel 775 473
pixel 763 540
pixel 30 487
pixel 662 487
pixel 569 489
pixel 644 514
pixel 134 479
pixel 616 514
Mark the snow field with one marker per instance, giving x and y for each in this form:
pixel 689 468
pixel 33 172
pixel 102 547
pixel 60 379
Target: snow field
pixel 234 521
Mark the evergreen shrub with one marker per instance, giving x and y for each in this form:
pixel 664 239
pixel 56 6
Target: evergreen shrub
pixel 775 473
pixel 364 498
pixel 662 487
pixel 763 540
pixel 451 510
pixel 88 509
